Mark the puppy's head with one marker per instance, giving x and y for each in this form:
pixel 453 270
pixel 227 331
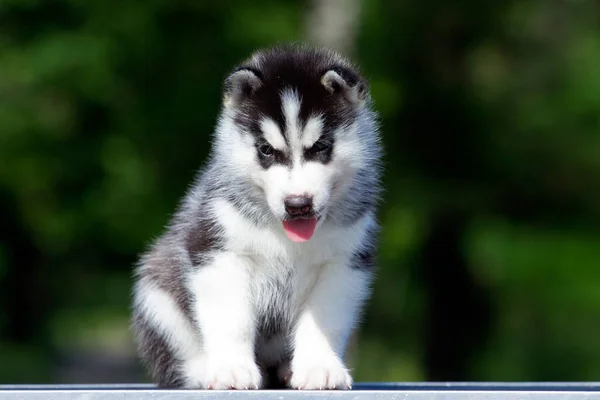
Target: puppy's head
pixel 293 125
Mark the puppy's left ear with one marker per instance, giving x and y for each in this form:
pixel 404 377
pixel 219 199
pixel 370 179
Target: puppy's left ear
pixel 347 83
pixel 240 85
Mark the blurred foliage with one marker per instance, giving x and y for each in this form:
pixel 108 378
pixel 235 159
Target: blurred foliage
pixel 491 121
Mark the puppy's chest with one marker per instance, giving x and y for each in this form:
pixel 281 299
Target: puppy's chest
pixel 280 288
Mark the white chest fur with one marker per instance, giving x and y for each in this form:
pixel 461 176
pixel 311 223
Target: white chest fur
pixel 283 273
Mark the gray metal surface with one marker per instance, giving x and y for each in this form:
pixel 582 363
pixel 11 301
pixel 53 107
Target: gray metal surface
pixel 377 391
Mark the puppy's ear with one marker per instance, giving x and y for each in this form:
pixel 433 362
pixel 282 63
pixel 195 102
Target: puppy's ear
pixel 347 83
pixel 240 85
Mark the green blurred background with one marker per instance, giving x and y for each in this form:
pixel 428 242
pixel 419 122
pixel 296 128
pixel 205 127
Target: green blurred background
pixel 490 254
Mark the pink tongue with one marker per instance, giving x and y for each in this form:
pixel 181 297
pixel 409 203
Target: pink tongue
pixel 300 230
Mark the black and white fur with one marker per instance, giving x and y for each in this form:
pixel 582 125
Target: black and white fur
pixel 223 299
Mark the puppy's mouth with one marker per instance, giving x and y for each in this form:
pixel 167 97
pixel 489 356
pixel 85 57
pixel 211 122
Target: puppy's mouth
pixel 300 228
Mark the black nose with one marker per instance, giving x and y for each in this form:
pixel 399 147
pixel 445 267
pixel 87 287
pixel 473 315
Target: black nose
pixel 298 205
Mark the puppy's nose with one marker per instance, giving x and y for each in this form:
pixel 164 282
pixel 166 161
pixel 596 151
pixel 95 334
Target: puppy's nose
pixel 298 205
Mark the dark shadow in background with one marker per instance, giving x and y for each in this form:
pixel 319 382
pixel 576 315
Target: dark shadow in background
pixel 458 311
pixel 22 296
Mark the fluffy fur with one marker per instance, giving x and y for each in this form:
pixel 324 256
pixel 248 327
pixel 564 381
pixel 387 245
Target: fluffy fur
pixel 224 299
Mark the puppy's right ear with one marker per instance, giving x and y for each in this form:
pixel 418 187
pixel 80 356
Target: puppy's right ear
pixel 240 85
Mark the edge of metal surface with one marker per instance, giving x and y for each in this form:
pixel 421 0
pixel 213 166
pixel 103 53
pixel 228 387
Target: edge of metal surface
pixel 363 390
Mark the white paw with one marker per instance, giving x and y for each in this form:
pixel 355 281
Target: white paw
pixel 315 374
pixel 220 374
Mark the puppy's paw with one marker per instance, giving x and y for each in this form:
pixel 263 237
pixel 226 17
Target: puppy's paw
pixel 319 373
pixel 222 374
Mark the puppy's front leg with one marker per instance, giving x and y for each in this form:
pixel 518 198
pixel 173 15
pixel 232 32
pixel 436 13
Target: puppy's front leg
pixel 223 311
pixel 324 327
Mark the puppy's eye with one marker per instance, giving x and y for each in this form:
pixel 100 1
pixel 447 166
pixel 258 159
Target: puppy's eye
pixel 266 150
pixel 320 146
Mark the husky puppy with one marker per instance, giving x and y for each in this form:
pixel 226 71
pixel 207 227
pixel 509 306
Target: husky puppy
pixel 263 271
